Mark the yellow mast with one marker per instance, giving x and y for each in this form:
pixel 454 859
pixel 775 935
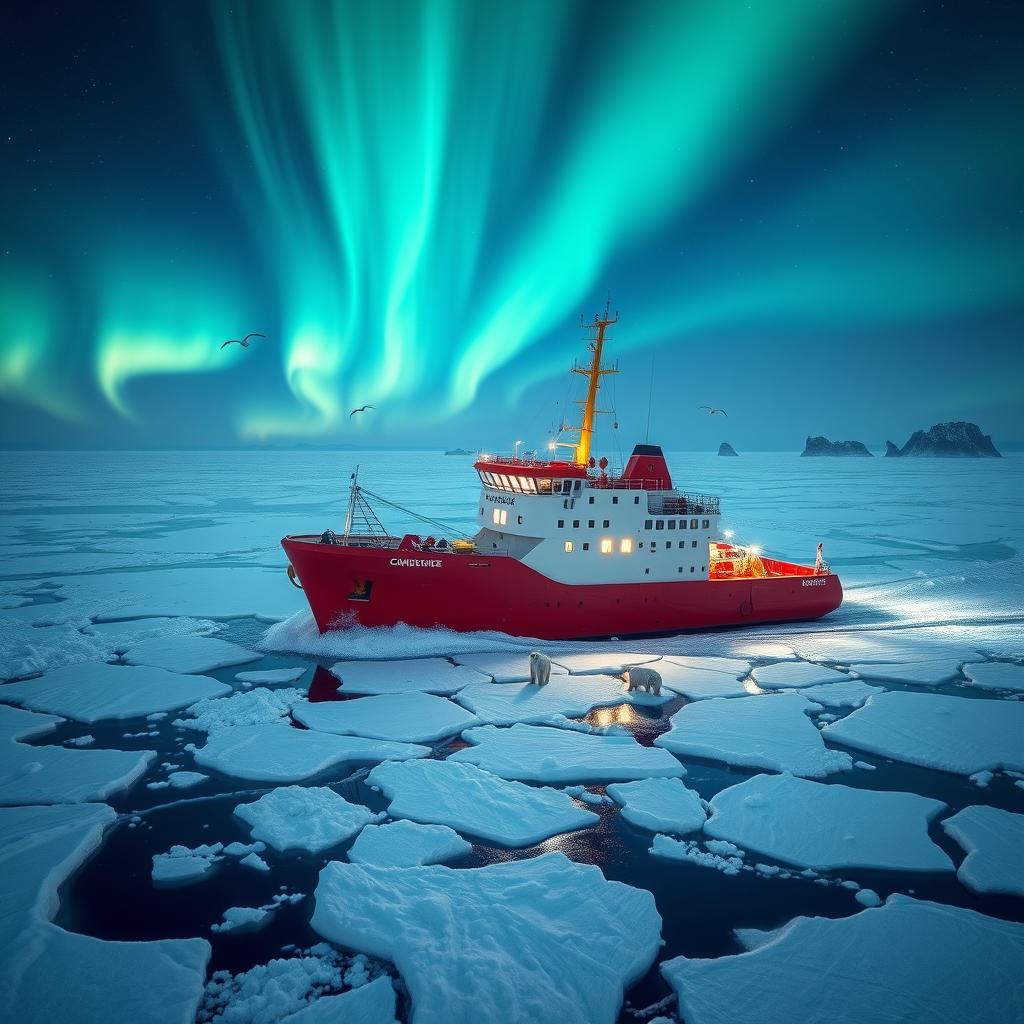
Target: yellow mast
pixel 594 373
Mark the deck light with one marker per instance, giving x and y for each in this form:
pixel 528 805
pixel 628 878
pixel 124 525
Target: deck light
pixel 728 534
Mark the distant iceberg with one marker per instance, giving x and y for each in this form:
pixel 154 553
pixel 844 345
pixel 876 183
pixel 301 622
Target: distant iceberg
pixel 823 446
pixel 726 449
pixel 957 439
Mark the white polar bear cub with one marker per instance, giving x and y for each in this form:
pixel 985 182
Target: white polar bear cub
pixel 639 678
pixel 540 668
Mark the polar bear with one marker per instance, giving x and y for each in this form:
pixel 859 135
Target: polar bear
pixel 640 678
pixel 540 668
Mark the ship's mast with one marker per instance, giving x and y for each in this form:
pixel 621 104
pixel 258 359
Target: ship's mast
pixel 593 373
pixel 350 511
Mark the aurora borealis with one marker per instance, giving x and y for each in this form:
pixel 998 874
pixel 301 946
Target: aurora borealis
pixel 416 200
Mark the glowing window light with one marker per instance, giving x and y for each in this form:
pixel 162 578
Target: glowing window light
pixel 568 547
pixel 626 545
pixel 499 516
pixel 606 546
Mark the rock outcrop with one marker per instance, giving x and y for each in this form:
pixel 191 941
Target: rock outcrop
pixel 726 449
pixel 823 446
pixel 957 439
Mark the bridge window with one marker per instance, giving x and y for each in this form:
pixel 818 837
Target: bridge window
pixel 626 545
pixel 648 523
pixel 606 546
pixel 705 524
pixel 500 516
pixel 682 524
pixel 568 547
pixel 557 487
pixel 659 524
pixel 693 524
pixel 577 485
pixel 671 524
pixel 528 484
pixel 514 484
pixel 544 486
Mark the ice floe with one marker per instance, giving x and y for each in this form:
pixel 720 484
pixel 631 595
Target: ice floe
pixel 312 819
pixel 538 753
pixel 738 668
pixel 919 673
pixel 372 1003
pixel 241 920
pixel 271 676
pixel 57 775
pixel 603 663
pixel 183 865
pixel 659 805
pixel 792 675
pixel 94 691
pixel 851 694
pixel 186 780
pixel 996 675
pixel 828 827
pixel 504 668
pixel 274 753
pixel 953 734
pixel 477 803
pixel 772 732
pixel 729 862
pixel 564 941
pixel 428 675
pixel 252 707
pixel 412 717
pixel 908 960
pixel 403 844
pixel 700 683
pixel 188 654
pixel 994 841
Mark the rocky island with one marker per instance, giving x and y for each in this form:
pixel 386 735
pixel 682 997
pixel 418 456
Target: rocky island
pixel 726 449
pixel 957 439
pixel 823 446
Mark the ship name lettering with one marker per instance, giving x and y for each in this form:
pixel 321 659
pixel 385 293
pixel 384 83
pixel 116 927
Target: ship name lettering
pixel 819 582
pixel 427 563
pixel 500 499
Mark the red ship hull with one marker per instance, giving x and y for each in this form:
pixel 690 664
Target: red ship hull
pixel 471 592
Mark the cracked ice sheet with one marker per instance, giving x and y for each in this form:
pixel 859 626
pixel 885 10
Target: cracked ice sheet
pixel 59 775
pixel 604 663
pixel 828 827
pixel 769 731
pixel 917 673
pixel 659 805
pixel 189 655
pixel 952 734
pixel 700 683
pixel 477 803
pixel 795 675
pixel 373 1003
pixel 280 753
pixel 412 717
pixel 504 668
pixel 851 694
pixel 94 691
pixel 146 982
pixel 308 818
pixel 537 753
pixel 908 960
pixel 738 668
pixel 551 938
pixel 427 675
pixel 563 697
pixel 996 675
pixel 404 844
pixel 993 839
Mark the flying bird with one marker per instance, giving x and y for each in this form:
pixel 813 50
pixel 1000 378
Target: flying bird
pixel 244 342
pixel 361 408
pixel 712 411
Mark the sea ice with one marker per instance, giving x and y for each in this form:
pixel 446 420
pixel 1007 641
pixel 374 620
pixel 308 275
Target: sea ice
pixel 908 960
pixel 372 1003
pixel 538 753
pixel 504 668
pixel 851 694
pixel 996 675
pixel 791 675
pixel 254 861
pixel 59 775
pixel 312 819
pixel 403 844
pixel 738 668
pixel 270 676
pixel 477 803
pixel 274 753
pixel 952 734
pixel 252 707
pixel 183 865
pixel 828 827
pixel 919 673
pixel 412 717
pixel 770 732
pixel 186 780
pixel 188 654
pixel 699 683
pixel 428 675
pixel 563 941
pixel 604 663
pixel 994 841
pixel 659 805
pixel 240 920
pixel 728 862
pixel 93 691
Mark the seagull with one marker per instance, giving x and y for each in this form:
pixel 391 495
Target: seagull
pixel 711 411
pixel 361 408
pixel 244 342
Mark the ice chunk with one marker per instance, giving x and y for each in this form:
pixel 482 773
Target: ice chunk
pixel 537 753
pixel 186 780
pixel 183 865
pixel 953 734
pixel 504 668
pixel 272 753
pixel 255 707
pixel 795 675
pixel 270 676
pixel 428 675
pixel 996 675
pixel 563 942
pixel 372 1003
pixel 254 861
pixel 412 717
pixel 659 805
pixel 304 818
pixel 920 673
pixel 94 691
pixel 59 775
pixel 695 683
pixel 674 849
pixel 188 654
pixel 828 827
pixel 770 732
pixel 867 898
pixel 403 844
pixel 851 694
pixel 603 663
pixel 905 961
pixel 243 919
pixel 994 841
pixel 477 803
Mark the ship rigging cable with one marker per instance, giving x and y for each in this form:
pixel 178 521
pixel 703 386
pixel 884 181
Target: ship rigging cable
pixel 444 527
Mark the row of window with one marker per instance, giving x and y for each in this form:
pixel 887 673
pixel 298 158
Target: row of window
pixel 520 484
pixel 657 524
pixel 625 546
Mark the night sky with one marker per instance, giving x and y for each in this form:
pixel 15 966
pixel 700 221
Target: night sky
pixel 808 212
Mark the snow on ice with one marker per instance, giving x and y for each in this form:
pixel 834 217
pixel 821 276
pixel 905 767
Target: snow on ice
pixel 183 865
pixel 996 675
pixel 412 717
pixel 271 676
pixel 372 1003
pixel 737 668
pixel 917 673
pixel 538 753
pixel 428 675
pixel 605 663
pixel 729 862
pixel 477 803
pixel 188 655
pixel 828 827
pixel 794 675
pixel 695 683
pixel 241 920
pixel 504 668
pixel 403 844
pixel 659 805
pixel 252 707
pixel 564 942
pixel 994 841
pixel 952 734
pixel 772 732
pixel 851 694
